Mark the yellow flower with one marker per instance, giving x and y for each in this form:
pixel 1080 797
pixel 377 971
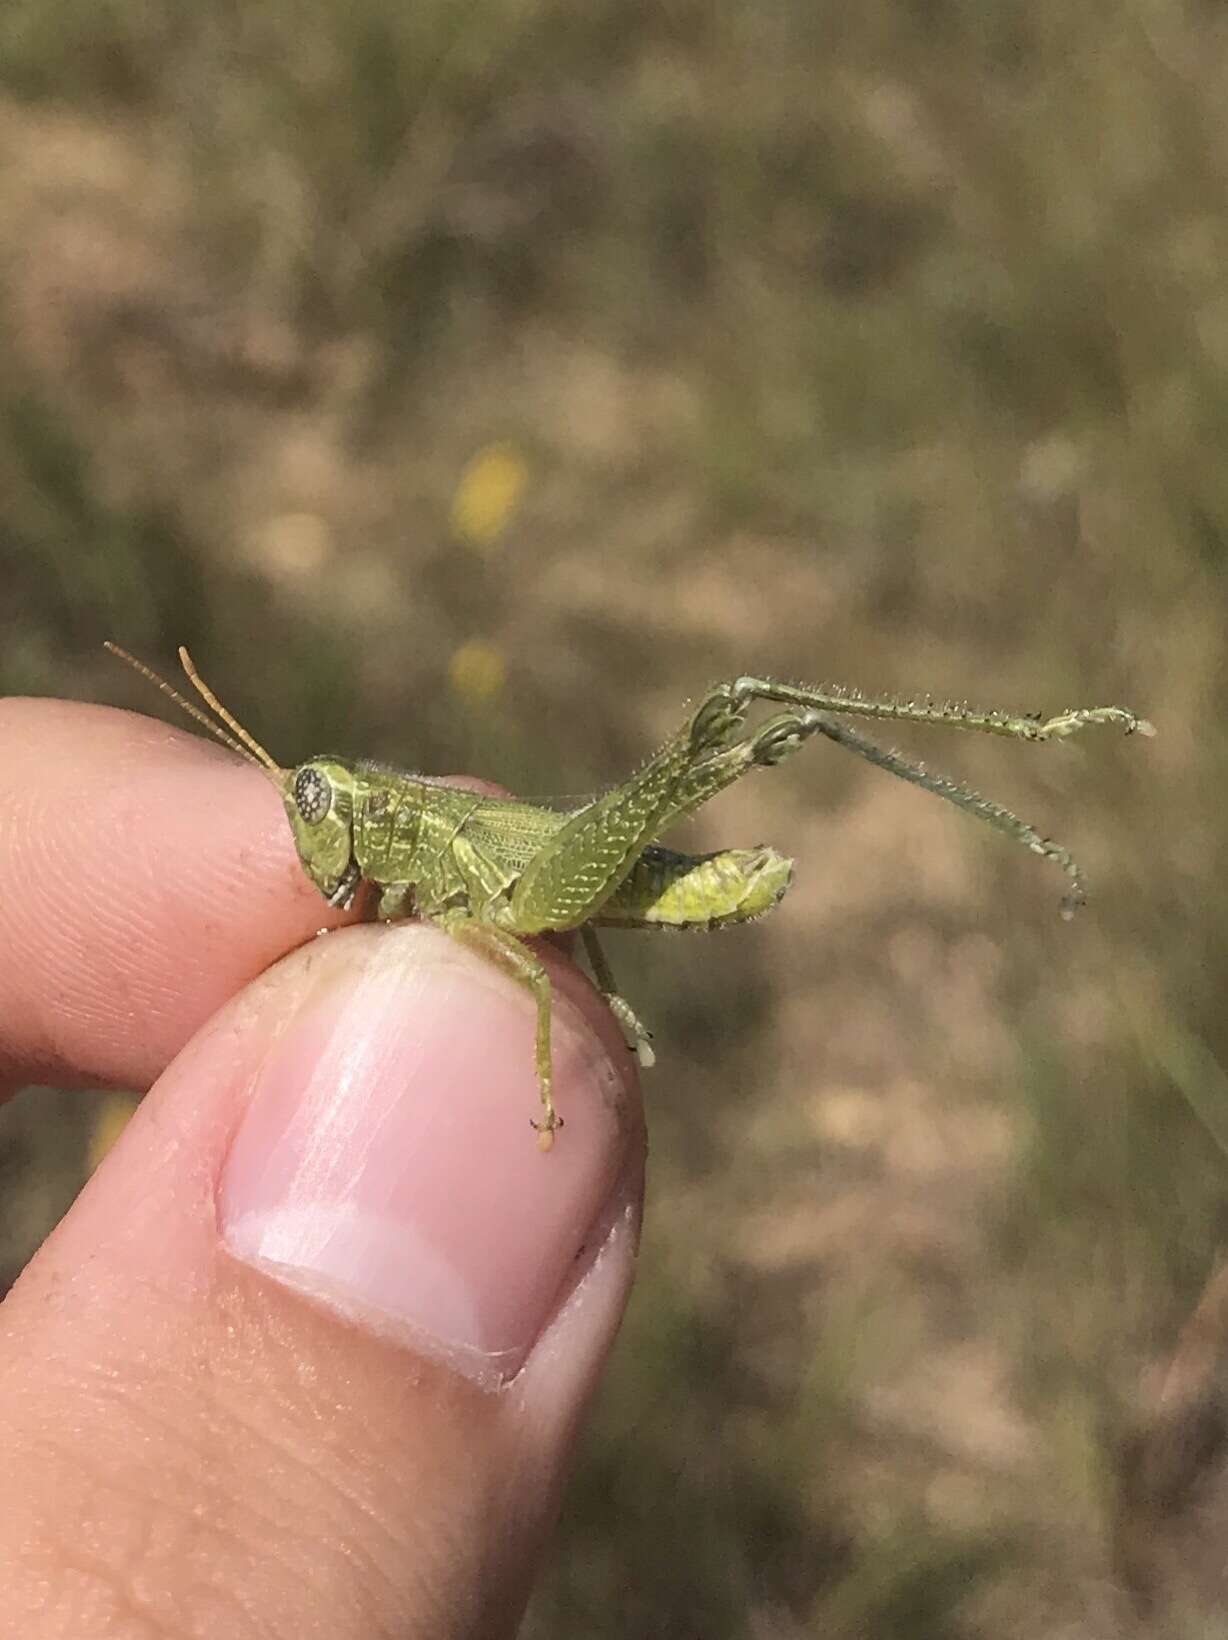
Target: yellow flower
pixel 490 490
pixel 477 671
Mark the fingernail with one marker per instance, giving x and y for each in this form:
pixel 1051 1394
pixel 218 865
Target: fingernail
pixel 385 1163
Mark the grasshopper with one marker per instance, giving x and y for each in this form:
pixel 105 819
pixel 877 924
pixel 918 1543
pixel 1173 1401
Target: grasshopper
pixel 494 871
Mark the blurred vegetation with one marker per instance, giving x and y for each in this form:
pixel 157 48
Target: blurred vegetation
pixel 511 369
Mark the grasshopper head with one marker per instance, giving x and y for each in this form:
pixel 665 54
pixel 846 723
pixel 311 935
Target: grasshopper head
pixel 319 799
pixel 319 795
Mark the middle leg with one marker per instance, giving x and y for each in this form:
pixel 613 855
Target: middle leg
pixel 516 960
pixel 639 1037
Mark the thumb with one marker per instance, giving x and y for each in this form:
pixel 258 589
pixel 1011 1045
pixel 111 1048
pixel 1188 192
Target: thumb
pixel 308 1355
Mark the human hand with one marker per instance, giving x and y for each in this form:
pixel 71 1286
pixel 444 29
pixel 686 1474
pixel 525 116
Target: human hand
pixel 309 1354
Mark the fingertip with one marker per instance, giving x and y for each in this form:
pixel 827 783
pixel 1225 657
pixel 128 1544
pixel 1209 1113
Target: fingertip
pixel 459 1229
pixel 146 876
pixel 327 1262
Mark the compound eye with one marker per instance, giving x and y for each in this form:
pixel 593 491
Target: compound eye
pixel 313 795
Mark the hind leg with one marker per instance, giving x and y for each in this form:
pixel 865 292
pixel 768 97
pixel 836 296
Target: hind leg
pixel 1015 725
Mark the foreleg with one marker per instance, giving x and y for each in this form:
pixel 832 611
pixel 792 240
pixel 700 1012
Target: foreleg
pixel 396 900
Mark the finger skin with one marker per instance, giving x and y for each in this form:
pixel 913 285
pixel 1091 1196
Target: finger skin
pixel 192 1446
pixel 145 876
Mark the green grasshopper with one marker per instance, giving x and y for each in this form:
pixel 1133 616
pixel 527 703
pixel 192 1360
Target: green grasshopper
pixel 494 871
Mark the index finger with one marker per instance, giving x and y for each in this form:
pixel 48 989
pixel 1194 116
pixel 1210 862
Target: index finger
pixel 145 877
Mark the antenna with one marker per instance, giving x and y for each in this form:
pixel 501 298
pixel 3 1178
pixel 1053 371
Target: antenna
pixel 245 744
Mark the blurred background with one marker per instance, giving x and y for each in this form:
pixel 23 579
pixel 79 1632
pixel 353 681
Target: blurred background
pixel 469 383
